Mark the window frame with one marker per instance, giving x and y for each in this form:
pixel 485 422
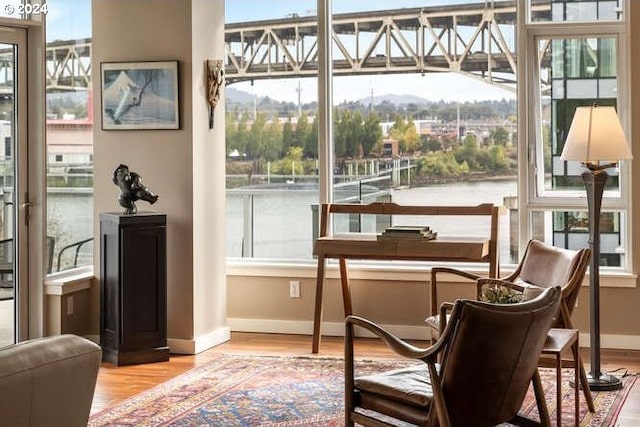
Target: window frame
pixel 529 102
pixel 527 33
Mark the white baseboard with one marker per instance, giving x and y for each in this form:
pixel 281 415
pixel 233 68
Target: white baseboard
pixel 301 327
pixel 201 343
pixel 612 341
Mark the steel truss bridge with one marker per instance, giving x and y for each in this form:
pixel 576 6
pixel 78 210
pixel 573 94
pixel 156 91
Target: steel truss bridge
pixel 477 40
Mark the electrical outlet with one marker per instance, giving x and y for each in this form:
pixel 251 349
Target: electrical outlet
pixel 294 289
pixel 69 305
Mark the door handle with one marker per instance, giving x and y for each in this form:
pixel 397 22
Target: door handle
pixel 25 207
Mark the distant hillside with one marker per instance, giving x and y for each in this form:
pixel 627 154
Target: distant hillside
pixel 394 99
pixel 385 105
pixel 236 96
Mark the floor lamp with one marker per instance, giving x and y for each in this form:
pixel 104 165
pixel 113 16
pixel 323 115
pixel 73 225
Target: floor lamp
pixel 596 135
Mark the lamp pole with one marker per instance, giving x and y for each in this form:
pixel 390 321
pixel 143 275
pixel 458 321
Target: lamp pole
pixel 594 181
pixel 596 135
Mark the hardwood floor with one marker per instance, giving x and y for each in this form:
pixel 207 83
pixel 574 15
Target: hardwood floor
pixel 119 383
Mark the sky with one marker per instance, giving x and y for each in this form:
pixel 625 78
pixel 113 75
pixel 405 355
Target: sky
pixel 71 19
pixel 68 19
pixel 244 10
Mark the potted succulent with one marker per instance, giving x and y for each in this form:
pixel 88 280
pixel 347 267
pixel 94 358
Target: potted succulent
pixel 501 295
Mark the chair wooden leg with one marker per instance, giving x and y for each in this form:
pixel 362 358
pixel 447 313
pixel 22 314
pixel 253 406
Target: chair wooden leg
pixel 566 319
pixel 348 374
pixel 540 400
pixel 348 422
pixel 585 386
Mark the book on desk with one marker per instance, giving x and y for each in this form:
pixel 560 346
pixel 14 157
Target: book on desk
pixel 408 232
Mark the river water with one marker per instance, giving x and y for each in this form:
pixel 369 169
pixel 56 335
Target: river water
pixel 283 217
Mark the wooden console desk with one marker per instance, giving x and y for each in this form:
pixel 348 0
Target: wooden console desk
pixel 362 246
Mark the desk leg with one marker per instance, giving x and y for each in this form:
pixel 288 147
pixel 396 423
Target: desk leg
pixel 346 290
pixel 558 389
pixel 317 315
pixel 576 379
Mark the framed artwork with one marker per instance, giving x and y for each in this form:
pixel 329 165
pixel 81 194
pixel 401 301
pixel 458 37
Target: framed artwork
pixel 140 95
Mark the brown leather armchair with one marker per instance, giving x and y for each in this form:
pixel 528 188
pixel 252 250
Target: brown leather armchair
pixel 542 266
pixel 48 382
pixel 489 357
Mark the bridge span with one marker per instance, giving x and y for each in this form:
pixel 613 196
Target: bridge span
pixel 477 40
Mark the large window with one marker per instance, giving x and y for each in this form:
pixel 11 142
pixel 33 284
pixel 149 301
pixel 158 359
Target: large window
pixel 425 111
pixel 271 127
pixel 69 134
pixel 407 130
pixel 578 63
pixel 434 121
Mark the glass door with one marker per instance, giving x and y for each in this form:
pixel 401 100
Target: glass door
pixel 14 204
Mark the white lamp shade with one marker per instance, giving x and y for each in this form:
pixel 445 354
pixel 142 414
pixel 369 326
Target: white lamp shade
pixel 596 135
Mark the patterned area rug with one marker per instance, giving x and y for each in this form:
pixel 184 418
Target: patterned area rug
pixel 607 404
pixel 235 390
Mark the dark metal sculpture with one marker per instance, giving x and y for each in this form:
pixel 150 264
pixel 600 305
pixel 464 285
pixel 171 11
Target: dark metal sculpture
pixel 131 189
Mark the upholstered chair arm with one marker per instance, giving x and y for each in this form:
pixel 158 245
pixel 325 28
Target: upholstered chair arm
pixel 434 282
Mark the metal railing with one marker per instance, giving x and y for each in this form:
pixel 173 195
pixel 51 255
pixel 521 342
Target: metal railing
pixel 76 246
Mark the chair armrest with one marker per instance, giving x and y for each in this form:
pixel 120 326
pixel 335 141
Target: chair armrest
pixel 445 307
pixel 434 282
pixel 394 343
